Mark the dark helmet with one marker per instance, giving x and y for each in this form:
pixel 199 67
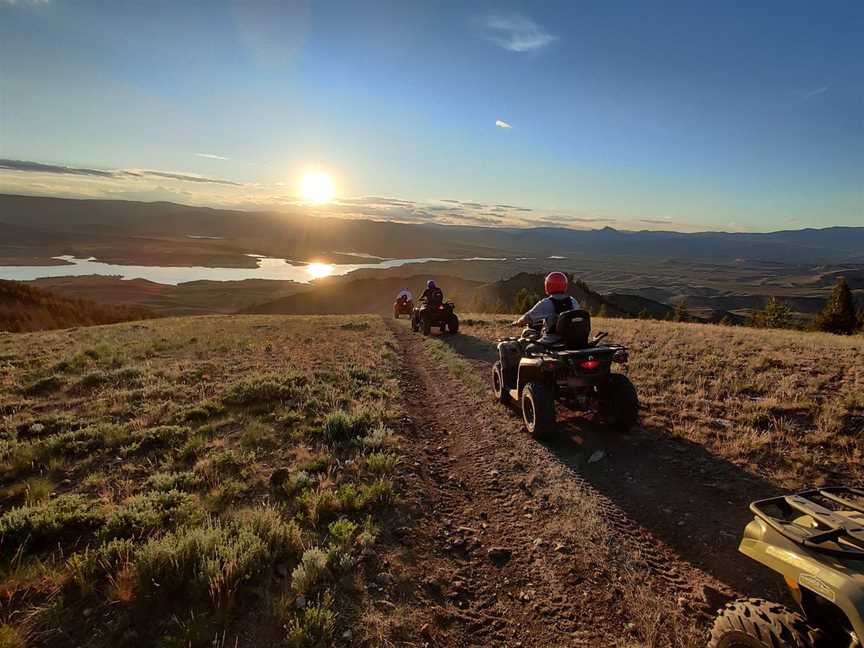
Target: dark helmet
pixel 431 284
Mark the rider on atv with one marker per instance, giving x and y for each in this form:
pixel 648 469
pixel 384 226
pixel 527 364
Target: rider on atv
pixel 433 295
pixel 556 302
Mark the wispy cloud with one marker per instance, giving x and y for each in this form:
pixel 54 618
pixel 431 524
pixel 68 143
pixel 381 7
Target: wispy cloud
pixel 30 3
pixel 817 91
pixel 116 174
pixel 516 33
pixel 212 156
pixel 500 123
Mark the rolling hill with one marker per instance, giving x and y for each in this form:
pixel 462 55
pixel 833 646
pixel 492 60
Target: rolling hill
pixel 24 308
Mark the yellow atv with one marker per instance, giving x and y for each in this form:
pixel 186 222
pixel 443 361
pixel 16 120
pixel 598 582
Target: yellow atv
pixel 815 540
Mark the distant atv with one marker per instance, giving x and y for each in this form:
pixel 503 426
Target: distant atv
pixel 402 307
pixel 561 364
pixel 425 316
pixel 815 540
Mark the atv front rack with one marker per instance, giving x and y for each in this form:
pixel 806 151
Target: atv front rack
pixel 828 530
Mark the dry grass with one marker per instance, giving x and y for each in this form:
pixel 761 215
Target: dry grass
pixel 786 405
pixel 161 483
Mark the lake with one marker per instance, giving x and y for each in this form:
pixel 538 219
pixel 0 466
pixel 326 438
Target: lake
pixel 268 268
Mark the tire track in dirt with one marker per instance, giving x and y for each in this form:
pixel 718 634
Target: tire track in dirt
pixel 475 482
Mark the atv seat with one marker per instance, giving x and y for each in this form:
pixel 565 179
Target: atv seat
pixel 571 330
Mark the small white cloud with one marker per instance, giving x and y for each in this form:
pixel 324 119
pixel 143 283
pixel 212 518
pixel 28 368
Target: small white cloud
pixel 31 3
pixel 516 33
pixel 212 156
pixel 500 123
pixel 817 91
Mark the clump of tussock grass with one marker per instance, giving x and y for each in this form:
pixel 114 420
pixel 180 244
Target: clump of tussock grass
pixel 37 489
pixel 154 438
pixel 11 637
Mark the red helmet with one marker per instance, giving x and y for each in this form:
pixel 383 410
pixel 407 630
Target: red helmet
pixel 556 282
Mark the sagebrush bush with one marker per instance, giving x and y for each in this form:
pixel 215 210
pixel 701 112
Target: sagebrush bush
pixel 341 427
pixel 46 523
pixel 314 626
pixel 264 390
pixel 208 560
pixel 151 511
pixel 311 571
pixel 381 463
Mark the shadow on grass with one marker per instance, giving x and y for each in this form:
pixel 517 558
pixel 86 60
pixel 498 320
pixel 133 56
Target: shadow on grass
pixel 692 500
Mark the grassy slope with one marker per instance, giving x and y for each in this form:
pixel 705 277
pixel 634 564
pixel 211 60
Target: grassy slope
pixel 786 405
pixel 168 481
pixel 24 308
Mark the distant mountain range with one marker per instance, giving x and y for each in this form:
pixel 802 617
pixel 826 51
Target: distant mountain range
pixel 171 234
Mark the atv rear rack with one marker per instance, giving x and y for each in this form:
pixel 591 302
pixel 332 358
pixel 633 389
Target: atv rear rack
pixel 831 532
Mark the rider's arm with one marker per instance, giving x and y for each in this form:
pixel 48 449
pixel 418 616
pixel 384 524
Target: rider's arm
pixel 536 313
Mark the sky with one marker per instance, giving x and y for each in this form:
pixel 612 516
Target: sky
pixel 679 115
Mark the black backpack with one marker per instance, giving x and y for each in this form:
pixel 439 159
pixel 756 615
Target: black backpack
pixel 436 297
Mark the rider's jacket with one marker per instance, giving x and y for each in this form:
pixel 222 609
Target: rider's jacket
pixel 550 307
pixel 432 296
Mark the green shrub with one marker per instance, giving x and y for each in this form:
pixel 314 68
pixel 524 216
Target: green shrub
pixel 268 523
pixel 142 514
pixel 340 427
pixel 156 437
pixel 342 533
pixel 46 523
pixel 263 390
pixel 379 439
pixel 208 560
pixel 319 504
pixel 381 463
pixel 167 481
pixel 37 489
pixel 91 566
pixel 378 493
pixel 311 571
pixel 202 412
pixel 314 626
pixel 43 386
pixel 10 637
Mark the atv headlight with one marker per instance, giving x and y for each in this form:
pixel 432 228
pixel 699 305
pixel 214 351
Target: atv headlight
pixel 621 356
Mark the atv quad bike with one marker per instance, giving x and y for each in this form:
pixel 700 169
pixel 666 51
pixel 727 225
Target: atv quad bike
pixel 402 307
pixel 561 364
pixel 815 540
pixel 425 316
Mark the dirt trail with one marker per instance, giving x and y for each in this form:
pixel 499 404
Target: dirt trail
pixel 477 484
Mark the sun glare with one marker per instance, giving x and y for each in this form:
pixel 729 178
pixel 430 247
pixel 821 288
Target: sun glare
pixel 318 270
pixel 317 188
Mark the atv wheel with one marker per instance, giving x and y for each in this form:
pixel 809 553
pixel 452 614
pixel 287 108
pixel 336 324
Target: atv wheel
pixel 395 315
pixel 426 324
pixel 414 326
pixel 621 408
pixel 757 623
pixel 453 324
pixel 499 387
pixel 538 410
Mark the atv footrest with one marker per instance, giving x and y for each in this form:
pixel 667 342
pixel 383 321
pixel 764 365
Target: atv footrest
pixel 827 529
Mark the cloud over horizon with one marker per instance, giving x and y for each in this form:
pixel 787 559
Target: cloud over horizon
pixel 500 123
pixel 37 178
pixel 516 33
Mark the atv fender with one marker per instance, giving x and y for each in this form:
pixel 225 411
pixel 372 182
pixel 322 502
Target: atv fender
pixel 535 370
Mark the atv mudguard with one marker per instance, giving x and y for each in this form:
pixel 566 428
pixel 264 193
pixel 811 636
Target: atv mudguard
pixel 509 353
pixel 535 370
pixel 837 581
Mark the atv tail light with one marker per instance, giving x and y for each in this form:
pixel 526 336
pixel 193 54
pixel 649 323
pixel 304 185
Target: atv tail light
pixel 440 308
pixel 590 364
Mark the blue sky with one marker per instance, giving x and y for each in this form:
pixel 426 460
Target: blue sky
pixel 678 115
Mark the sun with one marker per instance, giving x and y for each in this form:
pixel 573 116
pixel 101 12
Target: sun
pixel 319 270
pixel 317 188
